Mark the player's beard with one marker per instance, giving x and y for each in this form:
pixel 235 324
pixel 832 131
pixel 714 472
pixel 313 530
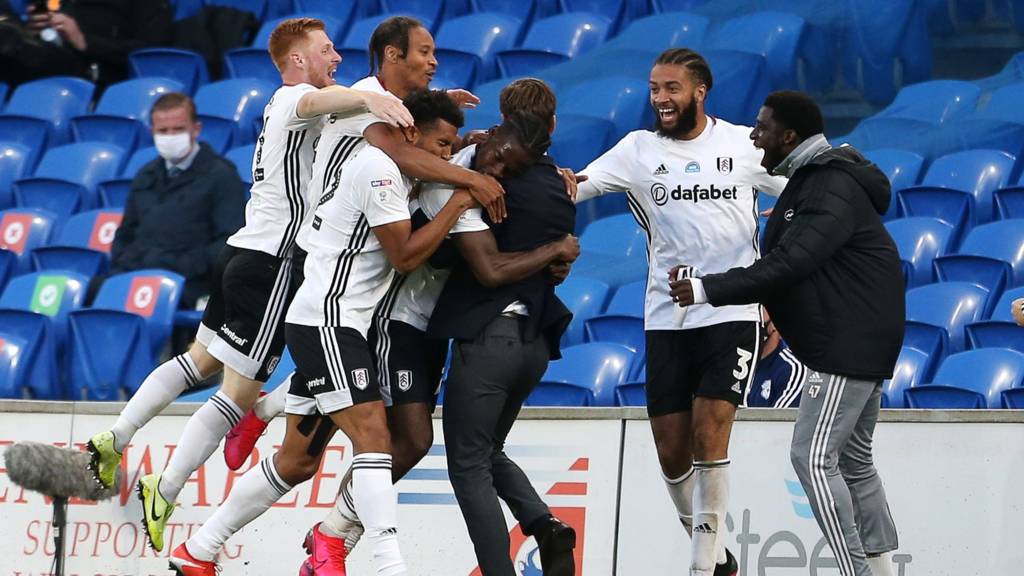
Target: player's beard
pixel 686 122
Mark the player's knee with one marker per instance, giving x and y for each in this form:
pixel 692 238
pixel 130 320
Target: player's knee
pixel 295 471
pixel 205 363
pixel 419 444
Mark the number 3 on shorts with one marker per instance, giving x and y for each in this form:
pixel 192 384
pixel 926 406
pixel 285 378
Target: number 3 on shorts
pixel 743 366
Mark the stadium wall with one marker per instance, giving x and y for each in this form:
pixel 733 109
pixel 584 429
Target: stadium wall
pixel 954 481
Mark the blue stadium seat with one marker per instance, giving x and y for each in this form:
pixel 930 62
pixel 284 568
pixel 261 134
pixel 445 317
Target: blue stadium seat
pixel 335 25
pixel 114 193
pixel 615 10
pixel 67 178
pixel 618 99
pixel 35 307
pixel 999 125
pixel 920 240
pixel 4 89
pixel 660 31
pixel 990 252
pixel 186 8
pixel 355 62
pixel 481 118
pixel 429 12
pixel 585 298
pixel 1013 399
pixel 938 313
pixel 623 321
pixel 902 167
pixel 466 47
pixel 797 56
pixel 24 229
pixel 14 164
pixel 594 209
pixel 677 5
pixel 12 366
pixel 122 114
pixel 936 101
pixel 578 140
pixel 113 345
pixel 185 66
pixel 257 7
pixel 55 100
pixel 1009 201
pixel 524 11
pixel 614 250
pixel 249 63
pixel 83 245
pixel 233 103
pixel 958 188
pixel 999 330
pixel 8 262
pixel 586 375
pixel 884 37
pixel 554 40
pixel 972 379
pixel 241 157
pixel 741 85
pixel 912 368
pixel 633 393
pixel 139 158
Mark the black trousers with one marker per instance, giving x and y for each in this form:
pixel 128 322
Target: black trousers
pixel 489 379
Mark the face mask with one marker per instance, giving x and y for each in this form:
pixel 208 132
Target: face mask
pixel 173 147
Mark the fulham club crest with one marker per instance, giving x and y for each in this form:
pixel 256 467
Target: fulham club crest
pixel 725 164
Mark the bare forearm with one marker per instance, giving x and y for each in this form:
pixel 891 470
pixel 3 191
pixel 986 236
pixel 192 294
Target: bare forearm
pixel 427 167
pixel 508 267
pixel 332 100
pixel 426 240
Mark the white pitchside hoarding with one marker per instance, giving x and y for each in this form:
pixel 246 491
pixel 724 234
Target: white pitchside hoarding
pixel 574 466
pixel 956 491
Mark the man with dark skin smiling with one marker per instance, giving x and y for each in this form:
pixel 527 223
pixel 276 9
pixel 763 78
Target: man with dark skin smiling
pixel 832 282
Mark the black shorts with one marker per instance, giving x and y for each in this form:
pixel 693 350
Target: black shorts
pixel 243 325
pixel 334 370
pixel 712 362
pixel 409 363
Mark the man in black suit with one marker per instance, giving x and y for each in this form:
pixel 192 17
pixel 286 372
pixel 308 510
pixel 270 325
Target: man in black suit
pixel 504 336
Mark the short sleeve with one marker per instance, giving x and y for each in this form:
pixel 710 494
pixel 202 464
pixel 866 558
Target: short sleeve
pixel 293 121
pixel 385 198
pixel 610 172
pixel 433 198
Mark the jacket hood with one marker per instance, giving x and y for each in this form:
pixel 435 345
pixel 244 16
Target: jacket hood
pixel 871 179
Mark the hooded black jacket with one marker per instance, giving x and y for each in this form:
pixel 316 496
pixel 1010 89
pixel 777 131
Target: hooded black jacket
pixel 830 276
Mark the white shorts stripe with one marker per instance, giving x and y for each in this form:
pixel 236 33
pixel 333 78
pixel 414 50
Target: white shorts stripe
pixel 819 479
pixel 272 314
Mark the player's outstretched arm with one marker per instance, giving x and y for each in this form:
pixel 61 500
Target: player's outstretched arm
pixel 425 166
pixel 493 268
pixel 408 250
pixel 347 102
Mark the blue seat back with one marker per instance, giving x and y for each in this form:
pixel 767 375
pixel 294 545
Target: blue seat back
pixel 24 229
pixel 252 63
pixel 257 7
pixel 482 35
pixel 94 229
pixel 741 85
pixel 32 133
pixel 995 334
pixel 13 363
pixel 920 240
pixel 15 163
pixel 936 101
pixel 977 172
pixel 56 100
pixel 52 294
pixel 585 298
pixel 241 157
pixel 614 10
pixel 1001 311
pixel 621 100
pixel 912 368
pixel 775 35
pixel 664 30
pixel 239 100
pixel 185 66
pixel 631 394
pixel 1002 240
pixel 987 372
pixel 57 196
pixel 885 45
pixel 617 328
pixel 1009 202
pixel 567 35
pixel 629 300
pixel 134 98
pixel 578 140
pixel 949 306
pixel 615 235
pixel 429 12
pixel 85 163
pixel 114 193
pixel 1004 104
pixel 902 167
pixel 566 394
pixel 139 158
pixel 359 34
pixel 524 11
pixel 150 294
pixel 109 352
pixel 597 366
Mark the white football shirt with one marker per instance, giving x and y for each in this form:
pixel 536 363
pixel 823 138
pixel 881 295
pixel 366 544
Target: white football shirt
pixel 417 293
pixel 347 271
pixel 280 174
pixel 697 202
pixel 340 140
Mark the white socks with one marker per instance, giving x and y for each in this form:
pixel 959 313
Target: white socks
pixel 376 500
pixel 881 565
pixel 163 385
pixel 201 436
pixel 710 503
pixel 343 516
pixel 681 491
pixel 268 407
pixel 256 491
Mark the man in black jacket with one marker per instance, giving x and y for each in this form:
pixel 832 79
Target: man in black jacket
pixel 831 280
pixel 182 206
pixel 86 38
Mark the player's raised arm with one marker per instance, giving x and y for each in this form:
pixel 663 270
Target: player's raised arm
pixel 609 172
pixel 346 102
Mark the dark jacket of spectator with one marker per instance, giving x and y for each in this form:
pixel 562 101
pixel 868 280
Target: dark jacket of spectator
pixel 180 223
pixel 830 276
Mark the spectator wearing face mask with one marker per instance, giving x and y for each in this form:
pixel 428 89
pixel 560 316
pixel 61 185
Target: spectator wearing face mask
pixel 182 205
